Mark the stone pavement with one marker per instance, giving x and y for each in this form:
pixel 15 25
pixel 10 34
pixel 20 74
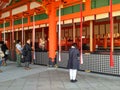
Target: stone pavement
pixel 46 78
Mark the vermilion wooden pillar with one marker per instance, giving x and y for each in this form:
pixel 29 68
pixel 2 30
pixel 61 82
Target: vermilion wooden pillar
pixel 28 5
pixel 105 41
pixel 91 36
pixel 88 5
pixel 52 32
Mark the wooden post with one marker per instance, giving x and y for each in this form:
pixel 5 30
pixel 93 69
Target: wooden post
pixel 74 32
pixel 12 33
pixel 17 34
pixel 4 31
pixel 13 41
pixel 91 36
pixel 111 36
pixel 105 41
pixel 43 33
pixel 52 32
pixel 94 42
pixel 33 36
pixel 81 28
pixel 22 32
pixel 59 33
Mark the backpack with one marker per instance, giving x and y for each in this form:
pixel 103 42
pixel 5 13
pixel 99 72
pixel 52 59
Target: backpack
pixel 24 51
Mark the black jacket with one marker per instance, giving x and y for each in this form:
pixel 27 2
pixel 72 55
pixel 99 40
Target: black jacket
pixel 73 62
pixel 28 56
pixel 4 48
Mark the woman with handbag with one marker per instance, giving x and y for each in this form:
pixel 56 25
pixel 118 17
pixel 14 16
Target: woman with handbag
pixel 18 53
pixel 4 48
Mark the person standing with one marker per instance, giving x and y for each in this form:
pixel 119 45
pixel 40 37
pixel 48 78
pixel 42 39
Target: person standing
pixel 18 53
pixel 1 56
pixel 4 49
pixel 73 62
pixel 28 56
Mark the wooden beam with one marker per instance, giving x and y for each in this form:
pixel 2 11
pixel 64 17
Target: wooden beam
pixel 15 5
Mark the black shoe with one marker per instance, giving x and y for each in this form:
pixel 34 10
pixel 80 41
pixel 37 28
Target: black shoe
pixel 75 80
pixel 71 80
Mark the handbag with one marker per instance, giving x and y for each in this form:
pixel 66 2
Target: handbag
pixel 1 54
pixel 24 51
pixel 17 51
pixel 7 52
pixel 23 60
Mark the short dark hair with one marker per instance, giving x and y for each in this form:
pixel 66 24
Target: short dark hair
pixel 17 41
pixel 74 44
pixel 1 42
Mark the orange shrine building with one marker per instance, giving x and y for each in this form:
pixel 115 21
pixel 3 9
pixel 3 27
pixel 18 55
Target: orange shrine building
pixel 93 24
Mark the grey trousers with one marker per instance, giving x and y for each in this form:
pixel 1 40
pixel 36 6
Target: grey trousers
pixel 27 64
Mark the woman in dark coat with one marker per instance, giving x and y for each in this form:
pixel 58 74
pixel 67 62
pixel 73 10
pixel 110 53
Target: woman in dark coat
pixel 73 62
pixel 4 49
pixel 27 48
